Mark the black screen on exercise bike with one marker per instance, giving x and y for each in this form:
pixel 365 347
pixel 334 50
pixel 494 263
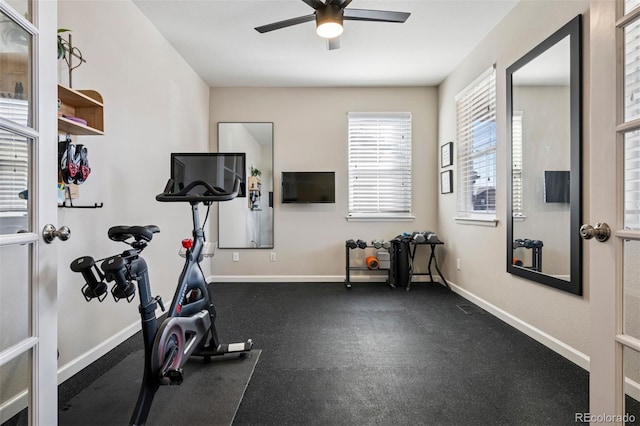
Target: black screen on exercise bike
pixel 219 169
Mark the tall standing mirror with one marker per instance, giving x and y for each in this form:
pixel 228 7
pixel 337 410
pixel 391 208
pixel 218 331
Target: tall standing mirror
pixel 544 106
pixel 248 222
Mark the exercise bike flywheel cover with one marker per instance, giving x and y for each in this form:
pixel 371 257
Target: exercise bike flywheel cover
pixel 167 330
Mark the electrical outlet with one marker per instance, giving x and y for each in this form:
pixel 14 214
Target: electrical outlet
pixel 272 256
pixel 458 267
pixel 236 256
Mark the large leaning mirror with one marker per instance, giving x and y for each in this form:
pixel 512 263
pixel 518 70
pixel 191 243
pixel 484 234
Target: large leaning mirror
pixel 544 107
pixel 248 222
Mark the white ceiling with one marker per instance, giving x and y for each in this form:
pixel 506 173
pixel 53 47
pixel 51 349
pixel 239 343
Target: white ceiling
pixel 217 38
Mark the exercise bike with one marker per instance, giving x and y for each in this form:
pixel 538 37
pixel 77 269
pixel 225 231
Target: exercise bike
pixel 189 328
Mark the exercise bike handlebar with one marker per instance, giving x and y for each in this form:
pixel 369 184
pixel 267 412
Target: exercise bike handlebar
pixel 209 195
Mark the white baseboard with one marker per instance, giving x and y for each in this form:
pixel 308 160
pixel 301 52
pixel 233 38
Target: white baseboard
pixel 84 360
pixel 274 278
pixel 373 277
pixel 540 336
pixel 13 406
pixel 632 388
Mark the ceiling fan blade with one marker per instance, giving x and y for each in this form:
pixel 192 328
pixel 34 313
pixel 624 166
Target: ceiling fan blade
pixel 333 43
pixel 286 23
pixel 316 4
pixel 340 3
pixel 375 15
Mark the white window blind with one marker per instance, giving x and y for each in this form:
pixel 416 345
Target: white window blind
pixel 476 134
pixel 516 163
pixel 632 181
pixel 632 112
pixel 14 157
pixel 379 164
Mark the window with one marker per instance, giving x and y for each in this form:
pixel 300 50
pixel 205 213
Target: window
pixel 14 160
pixel 380 165
pixel 476 133
pixel 516 162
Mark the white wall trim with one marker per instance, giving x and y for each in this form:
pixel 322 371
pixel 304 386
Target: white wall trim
pixel 274 278
pixel 13 406
pixel 81 362
pixel 632 388
pixel 540 336
pixel 477 221
pixel 373 277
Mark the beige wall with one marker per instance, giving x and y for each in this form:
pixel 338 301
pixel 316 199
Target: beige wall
pixel 154 104
pixel 310 133
pixel 482 250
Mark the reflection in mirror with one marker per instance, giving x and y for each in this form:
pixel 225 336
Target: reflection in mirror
pixel 15 153
pixel 15 148
pixel 544 197
pixel 248 222
pixel 540 93
pixel 15 52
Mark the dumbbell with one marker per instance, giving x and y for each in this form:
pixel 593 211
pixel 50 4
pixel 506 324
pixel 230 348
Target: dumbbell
pixel 377 244
pixel 536 244
pixel 361 244
pixel 418 237
pixel 94 287
pixel 351 244
pixel 114 268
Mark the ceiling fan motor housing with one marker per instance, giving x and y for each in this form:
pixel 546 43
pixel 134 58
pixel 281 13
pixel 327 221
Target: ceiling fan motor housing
pixel 330 15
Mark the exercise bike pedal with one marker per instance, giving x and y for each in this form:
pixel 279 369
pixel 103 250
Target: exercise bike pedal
pixel 176 377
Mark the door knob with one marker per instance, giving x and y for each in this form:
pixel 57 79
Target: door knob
pixel 601 232
pixel 49 233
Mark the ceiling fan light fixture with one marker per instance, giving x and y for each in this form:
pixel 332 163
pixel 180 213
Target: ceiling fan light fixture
pixel 329 29
pixel 329 22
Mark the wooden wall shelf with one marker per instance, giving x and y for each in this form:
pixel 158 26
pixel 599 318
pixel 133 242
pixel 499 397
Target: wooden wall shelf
pixel 85 104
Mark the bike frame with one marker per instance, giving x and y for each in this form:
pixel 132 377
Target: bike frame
pixel 189 328
pixel 190 278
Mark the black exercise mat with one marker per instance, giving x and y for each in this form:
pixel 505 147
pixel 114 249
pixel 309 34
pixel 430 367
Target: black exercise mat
pixel 209 395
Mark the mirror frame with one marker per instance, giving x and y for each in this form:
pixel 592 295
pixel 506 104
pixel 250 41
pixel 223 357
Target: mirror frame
pixel 270 247
pixel 573 29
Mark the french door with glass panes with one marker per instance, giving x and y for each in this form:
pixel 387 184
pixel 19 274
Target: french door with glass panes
pixel 28 178
pixel 614 199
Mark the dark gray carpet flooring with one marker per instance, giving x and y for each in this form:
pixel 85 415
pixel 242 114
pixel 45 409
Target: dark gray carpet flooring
pixel 379 356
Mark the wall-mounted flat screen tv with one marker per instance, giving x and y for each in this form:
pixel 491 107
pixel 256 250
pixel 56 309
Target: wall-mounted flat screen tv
pixel 219 169
pixel 556 186
pixel 308 187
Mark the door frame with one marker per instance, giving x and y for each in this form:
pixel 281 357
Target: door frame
pixel 42 340
pixel 606 171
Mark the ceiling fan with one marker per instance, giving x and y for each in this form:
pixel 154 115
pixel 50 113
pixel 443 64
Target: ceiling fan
pixel 329 17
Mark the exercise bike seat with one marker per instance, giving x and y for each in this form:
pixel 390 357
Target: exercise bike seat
pixel 123 233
